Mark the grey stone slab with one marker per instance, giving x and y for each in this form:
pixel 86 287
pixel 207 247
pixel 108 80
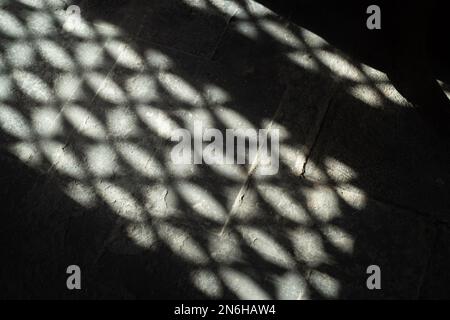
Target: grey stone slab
pixel 255 23
pixel 280 57
pixel 113 159
pixel 436 280
pixel 104 192
pixel 43 233
pixel 180 212
pixel 387 150
pixel 184 25
pixel 325 238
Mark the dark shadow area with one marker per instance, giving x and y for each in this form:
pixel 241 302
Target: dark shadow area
pixel 409 47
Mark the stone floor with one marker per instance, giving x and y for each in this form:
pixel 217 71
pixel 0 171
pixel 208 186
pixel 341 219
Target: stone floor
pixel 86 117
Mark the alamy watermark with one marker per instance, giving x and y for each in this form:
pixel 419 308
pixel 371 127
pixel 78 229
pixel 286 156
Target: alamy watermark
pixel 374 20
pixel 374 280
pixel 73 281
pixel 258 148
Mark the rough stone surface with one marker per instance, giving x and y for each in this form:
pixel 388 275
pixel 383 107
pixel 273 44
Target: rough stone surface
pixel 86 121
